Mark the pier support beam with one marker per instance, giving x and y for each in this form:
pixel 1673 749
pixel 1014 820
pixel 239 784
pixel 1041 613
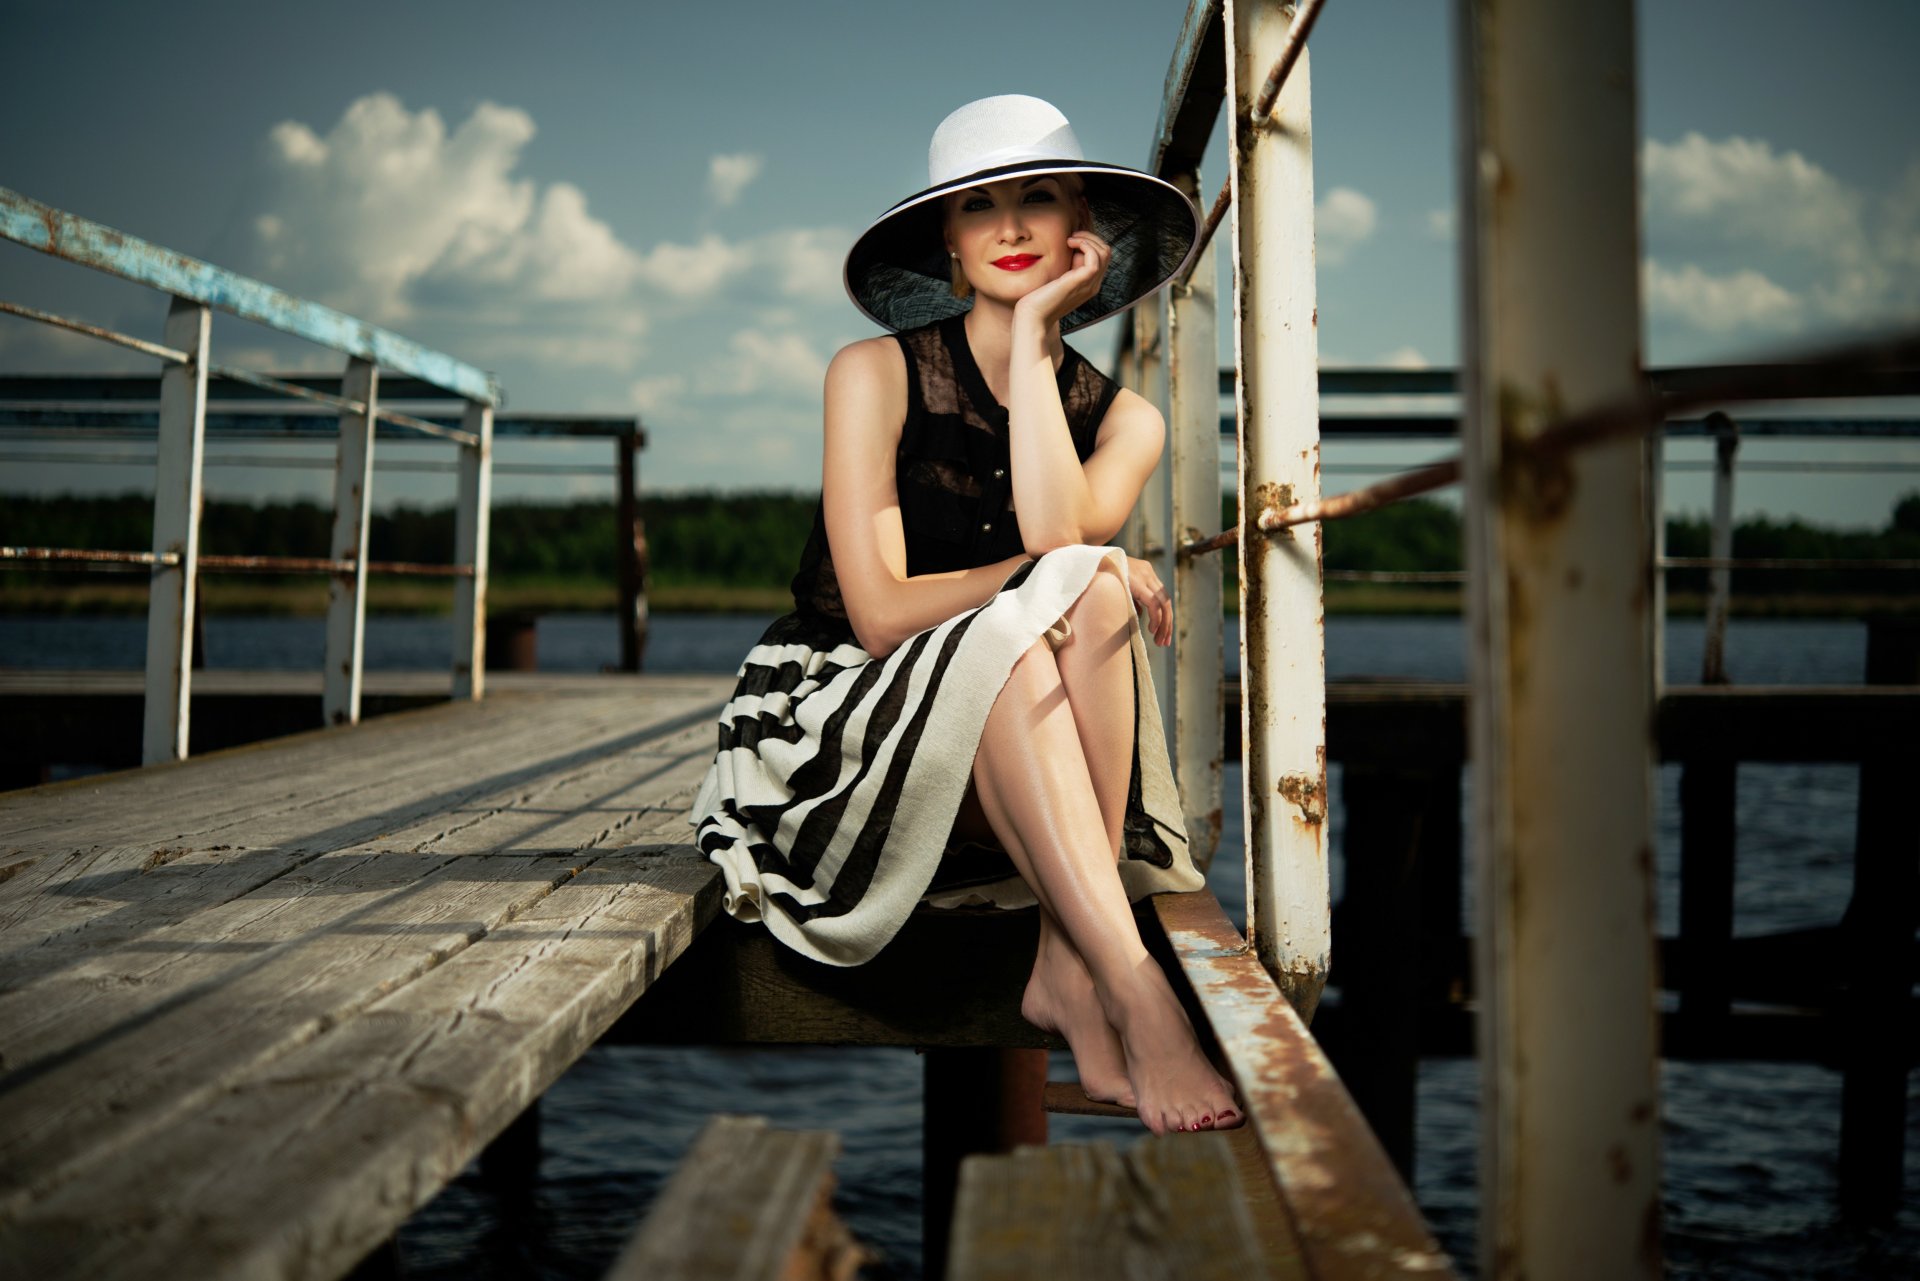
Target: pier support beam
pixel 631 553
pixel 1277 396
pixel 1562 676
pixel 1877 937
pixel 978 1099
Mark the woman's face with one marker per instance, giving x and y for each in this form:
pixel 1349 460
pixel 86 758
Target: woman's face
pixel 1011 235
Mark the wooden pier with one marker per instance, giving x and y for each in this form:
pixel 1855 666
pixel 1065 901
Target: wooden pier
pixel 258 1006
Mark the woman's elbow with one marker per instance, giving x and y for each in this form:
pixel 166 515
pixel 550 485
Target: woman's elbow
pixel 1038 542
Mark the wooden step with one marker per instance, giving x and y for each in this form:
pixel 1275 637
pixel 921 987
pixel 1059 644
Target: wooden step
pixel 1172 1205
pixel 748 1203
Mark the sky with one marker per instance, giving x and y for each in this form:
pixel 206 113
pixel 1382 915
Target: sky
pixel 634 209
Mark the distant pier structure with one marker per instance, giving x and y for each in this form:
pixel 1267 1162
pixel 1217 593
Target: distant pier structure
pixel 258 1006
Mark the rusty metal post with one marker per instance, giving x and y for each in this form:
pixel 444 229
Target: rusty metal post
pixel 1726 444
pixel 1562 677
pixel 1282 655
pixel 352 515
pixel 1193 426
pixel 631 535
pixel 471 521
pixel 978 1099
pixel 1654 456
pixel 1156 500
pixel 173 589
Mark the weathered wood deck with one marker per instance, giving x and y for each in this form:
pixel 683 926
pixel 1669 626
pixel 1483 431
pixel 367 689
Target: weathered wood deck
pixel 257 1007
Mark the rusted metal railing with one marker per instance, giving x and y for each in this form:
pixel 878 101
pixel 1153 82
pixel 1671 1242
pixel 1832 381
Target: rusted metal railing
pixel 194 289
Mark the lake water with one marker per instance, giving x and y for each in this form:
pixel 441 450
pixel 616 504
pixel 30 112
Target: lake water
pixel 1749 1175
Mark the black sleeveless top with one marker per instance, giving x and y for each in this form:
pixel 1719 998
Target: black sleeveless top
pixel 952 471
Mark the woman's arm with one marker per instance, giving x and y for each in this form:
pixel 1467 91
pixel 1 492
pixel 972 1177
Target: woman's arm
pixel 1059 499
pixel 866 404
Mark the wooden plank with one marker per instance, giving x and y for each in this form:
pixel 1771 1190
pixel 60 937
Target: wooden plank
pixel 159 887
pixel 1170 1207
pixel 749 1203
pixel 1353 1215
pixel 271 824
pixel 114 1044
pixel 319 768
pixel 376 1113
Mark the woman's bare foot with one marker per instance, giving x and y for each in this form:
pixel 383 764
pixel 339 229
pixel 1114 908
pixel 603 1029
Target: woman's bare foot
pixel 1174 1086
pixel 1060 999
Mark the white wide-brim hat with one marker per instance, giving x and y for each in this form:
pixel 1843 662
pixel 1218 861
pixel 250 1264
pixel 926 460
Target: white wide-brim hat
pixel 899 274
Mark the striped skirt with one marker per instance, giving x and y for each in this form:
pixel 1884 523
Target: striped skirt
pixel 832 796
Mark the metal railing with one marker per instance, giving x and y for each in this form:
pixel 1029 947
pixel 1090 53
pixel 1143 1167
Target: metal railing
pixel 1564 581
pixel 98 411
pixel 180 427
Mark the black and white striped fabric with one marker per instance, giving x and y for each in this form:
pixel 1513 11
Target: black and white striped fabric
pixel 838 776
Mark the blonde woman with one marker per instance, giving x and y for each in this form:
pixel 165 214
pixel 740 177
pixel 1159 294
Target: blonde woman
pixel 958 711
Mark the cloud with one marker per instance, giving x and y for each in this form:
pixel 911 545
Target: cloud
pixel 1342 221
pixel 1766 239
pixel 728 176
pixel 1744 299
pixel 799 263
pixel 1746 190
pixel 657 394
pixel 762 363
pixel 1440 223
pixel 1402 358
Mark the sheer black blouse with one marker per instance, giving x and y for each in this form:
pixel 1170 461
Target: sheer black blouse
pixel 952 470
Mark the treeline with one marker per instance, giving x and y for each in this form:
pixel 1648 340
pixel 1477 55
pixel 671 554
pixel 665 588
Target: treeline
pixel 754 539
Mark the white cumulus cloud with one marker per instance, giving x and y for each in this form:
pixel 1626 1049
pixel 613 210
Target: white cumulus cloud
pixel 1743 299
pixel 729 175
pixel 1342 221
pixel 1744 235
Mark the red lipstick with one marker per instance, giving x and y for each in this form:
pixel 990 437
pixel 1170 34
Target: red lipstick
pixel 1016 262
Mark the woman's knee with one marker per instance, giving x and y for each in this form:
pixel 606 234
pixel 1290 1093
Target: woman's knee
pixel 1106 602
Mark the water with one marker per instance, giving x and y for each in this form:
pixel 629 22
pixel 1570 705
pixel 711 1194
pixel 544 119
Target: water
pixel 1749 1178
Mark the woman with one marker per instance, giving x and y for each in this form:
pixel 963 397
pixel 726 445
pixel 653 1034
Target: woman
pixel 958 711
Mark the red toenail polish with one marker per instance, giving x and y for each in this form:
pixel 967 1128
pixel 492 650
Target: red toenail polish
pixel 1205 1119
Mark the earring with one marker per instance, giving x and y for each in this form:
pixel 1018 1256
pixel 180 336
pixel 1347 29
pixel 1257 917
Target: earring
pixel 962 287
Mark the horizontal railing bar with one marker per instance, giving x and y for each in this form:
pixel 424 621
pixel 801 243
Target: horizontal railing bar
pixel 90 244
pixel 303 461
pixel 1636 414
pixel 1354 380
pixel 1784 562
pixel 1195 87
pixel 134 424
pixel 154 349
pixel 54 557
pixel 394 388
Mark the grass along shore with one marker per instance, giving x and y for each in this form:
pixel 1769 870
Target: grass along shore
pixel 39 593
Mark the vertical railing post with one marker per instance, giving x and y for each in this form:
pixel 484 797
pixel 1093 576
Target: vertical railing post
pixel 1193 428
pixel 1562 682
pixel 631 534
pixel 1282 654
pixel 1156 501
pixel 472 519
pixel 1726 445
pixel 174 587
pixel 352 513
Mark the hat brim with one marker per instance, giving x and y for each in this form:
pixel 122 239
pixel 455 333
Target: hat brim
pixel 899 276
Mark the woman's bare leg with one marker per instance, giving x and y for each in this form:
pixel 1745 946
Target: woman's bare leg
pixel 1035 787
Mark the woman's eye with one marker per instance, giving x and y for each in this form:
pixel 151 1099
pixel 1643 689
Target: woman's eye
pixel 1041 195
pixel 976 204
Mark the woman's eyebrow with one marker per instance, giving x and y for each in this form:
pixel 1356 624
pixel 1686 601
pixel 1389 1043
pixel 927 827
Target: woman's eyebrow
pixel 1023 186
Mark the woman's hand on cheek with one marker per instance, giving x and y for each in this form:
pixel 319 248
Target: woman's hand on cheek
pixel 1057 299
